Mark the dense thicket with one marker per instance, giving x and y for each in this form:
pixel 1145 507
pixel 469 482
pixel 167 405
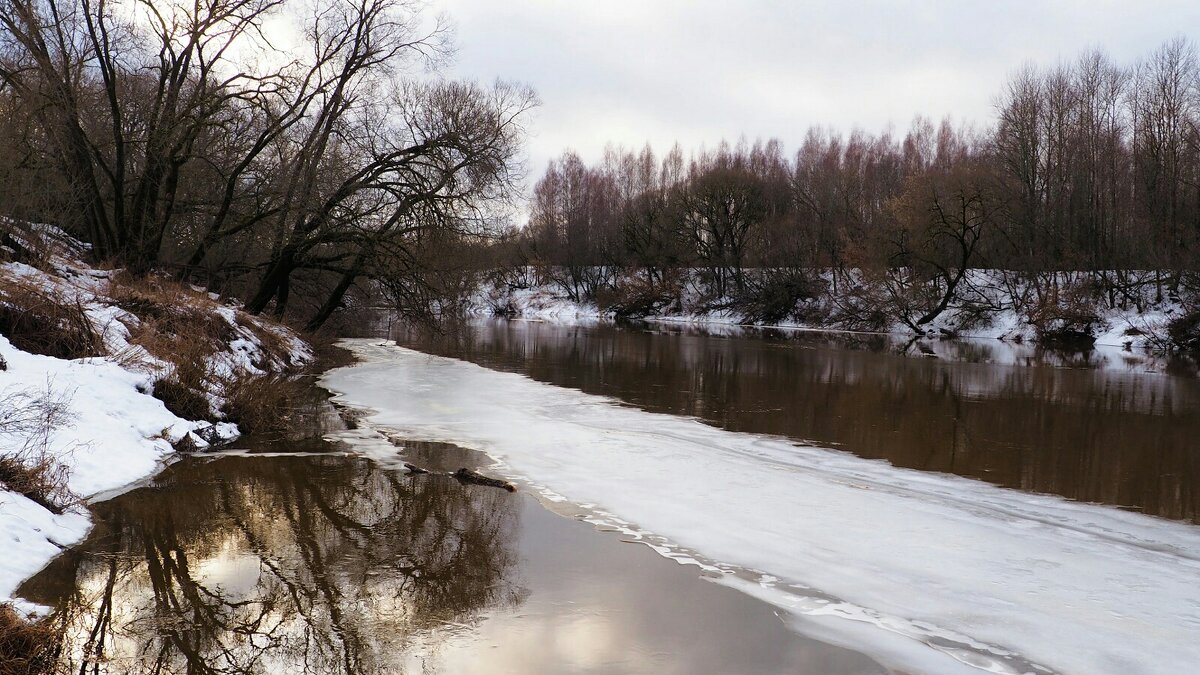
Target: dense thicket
pixel 175 135
pixel 1090 173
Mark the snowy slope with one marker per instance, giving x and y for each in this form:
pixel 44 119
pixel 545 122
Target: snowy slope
pixel 115 432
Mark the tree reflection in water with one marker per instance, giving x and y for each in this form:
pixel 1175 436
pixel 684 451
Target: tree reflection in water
pixel 298 564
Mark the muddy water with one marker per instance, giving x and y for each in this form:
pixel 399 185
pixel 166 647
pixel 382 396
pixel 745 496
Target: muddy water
pixel 333 563
pixel 1101 426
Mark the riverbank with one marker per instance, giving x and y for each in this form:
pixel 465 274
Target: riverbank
pixel 102 377
pixel 992 304
pixel 335 544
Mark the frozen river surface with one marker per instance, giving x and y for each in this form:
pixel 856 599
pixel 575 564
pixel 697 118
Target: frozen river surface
pixel 924 571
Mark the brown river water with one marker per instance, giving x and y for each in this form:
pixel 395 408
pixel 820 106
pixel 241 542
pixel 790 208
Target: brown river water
pixel 1110 427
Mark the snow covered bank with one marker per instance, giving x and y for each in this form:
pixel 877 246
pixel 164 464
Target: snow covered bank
pixel 926 572
pixel 984 310
pixel 114 431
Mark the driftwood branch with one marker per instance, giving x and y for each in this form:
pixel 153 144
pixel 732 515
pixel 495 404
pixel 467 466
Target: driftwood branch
pixel 468 476
pixel 464 475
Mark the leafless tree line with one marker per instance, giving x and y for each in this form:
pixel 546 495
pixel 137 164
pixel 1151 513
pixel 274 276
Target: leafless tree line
pixel 1091 171
pixel 180 136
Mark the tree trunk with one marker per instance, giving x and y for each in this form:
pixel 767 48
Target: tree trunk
pixel 335 297
pixel 277 275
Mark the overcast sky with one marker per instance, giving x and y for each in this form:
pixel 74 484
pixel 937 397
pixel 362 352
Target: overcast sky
pixel 696 71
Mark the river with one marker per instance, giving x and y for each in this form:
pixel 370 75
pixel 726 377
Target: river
pixel 863 505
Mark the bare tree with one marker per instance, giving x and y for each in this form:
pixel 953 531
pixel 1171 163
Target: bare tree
pixel 942 219
pixel 574 221
pixel 717 208
pixel 455 155
pixel 1165 104
pixel 125 92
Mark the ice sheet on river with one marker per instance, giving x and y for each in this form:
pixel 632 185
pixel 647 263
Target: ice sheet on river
pixel 926 572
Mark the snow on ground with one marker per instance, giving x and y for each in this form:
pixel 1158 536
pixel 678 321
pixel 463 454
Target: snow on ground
pixel 542 304
pixel 115 431
pixel 926 572
pixel 1009 340
pixel 31 537
pixel 1122 328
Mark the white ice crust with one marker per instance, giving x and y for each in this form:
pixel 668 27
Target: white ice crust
pixel 926 572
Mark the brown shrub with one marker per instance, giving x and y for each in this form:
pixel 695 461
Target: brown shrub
pixel 262 404
pixel 637 297
pixel 1066 316
pixel 36 321
pixel 1184 331
pixel 26 648
pixel 775 295
pixel 864 306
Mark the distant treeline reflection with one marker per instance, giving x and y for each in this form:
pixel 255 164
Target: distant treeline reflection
pixel 1087 426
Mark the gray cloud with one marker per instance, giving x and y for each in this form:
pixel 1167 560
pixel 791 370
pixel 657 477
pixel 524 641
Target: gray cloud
pixel 664 70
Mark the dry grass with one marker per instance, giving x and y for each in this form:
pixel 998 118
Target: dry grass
pixel 274 345
pixel 185 328
pixel 262 405
pixel 40 477
pixel 36 321
pixel 173 321
pixel 19 242
pixel 26 648
pixel 32 470
pixel 180 326
pixel 183 400
pixel 184 390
